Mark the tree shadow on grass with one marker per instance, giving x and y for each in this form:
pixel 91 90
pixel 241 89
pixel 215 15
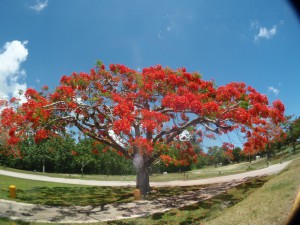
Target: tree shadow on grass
pixel 122 223
pixel 17 222
pixel 210 208
pixel 80 196
pixel 252 184
pixel 157 216
pixel 162 192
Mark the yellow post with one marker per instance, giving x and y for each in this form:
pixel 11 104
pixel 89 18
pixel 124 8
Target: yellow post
pixel 137 194
pixel 12 191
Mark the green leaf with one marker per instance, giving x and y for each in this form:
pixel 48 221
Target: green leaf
pixel 99 63
pixel 244 104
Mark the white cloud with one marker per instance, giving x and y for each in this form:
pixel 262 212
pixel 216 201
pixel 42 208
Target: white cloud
pixel 12 77
pixel 266 33
pixel 263 32
pixel 273 90
pixel 39 6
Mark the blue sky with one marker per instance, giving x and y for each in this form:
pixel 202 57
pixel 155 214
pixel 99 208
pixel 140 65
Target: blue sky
pixel 254 41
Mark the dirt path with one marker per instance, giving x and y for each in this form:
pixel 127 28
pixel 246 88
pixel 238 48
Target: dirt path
pixel 266 171
pixel 89 214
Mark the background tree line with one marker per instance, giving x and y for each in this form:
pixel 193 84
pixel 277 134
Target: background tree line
pixel 62 154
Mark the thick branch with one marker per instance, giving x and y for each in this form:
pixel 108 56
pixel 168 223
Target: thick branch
pixel 112 142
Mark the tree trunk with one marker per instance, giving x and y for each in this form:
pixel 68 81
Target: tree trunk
pixel 268 154
pixel 294 146
pixel 44 165
pixel 82 167
pixel 142 179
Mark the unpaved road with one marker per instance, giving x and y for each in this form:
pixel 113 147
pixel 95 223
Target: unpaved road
pixel 266 171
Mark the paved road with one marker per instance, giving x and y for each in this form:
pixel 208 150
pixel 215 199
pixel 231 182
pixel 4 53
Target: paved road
pixel 88 214
pixel 266 171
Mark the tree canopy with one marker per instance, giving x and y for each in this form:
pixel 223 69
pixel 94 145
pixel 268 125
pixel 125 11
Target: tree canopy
pixel 142 114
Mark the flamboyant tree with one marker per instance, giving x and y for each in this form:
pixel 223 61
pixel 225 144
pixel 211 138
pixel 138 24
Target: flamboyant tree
pixel 262 138
pixel 293 131
pixel 142 114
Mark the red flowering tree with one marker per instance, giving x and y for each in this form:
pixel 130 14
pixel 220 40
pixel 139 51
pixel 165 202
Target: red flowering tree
pixel 142 114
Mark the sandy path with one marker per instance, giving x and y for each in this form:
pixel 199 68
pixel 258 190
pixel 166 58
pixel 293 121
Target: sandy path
pixel 266 171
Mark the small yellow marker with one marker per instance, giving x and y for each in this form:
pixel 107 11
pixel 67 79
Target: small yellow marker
pixel 137 194
pixel 12 191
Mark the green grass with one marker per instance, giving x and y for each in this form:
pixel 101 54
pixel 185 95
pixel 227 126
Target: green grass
pixel 189 214
pixel 260 201
pixel 201 212
pixel 265 200
pixel 48 193
pixel 269 205
pixel 55 194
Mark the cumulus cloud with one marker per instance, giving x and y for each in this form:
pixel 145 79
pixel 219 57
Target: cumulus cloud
pixel 12 77
pixel 255 24
pixel 39 6
pixel 273 90
pixel 265 33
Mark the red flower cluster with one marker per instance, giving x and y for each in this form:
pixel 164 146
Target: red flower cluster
pixel 40 135
pixel 152 120
pixel 121 69
pixel 122 125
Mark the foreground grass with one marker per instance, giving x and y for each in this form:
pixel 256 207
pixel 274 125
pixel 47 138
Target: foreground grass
pixel 269 205
pixel 187 215
pixel 261 201
pixel 56 194
pixel 39 192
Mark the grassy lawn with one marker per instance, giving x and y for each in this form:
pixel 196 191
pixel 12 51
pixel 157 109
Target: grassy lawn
pixel 269 205
pixel 56 194
pixel 63 194
pixel 265 200
pixel 186 215
pixel 261 201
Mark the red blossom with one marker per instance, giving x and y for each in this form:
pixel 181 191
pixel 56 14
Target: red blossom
pixel 41 135
pixel 95 152
pixel 13 140
pixel 120 153
pixel 73 152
